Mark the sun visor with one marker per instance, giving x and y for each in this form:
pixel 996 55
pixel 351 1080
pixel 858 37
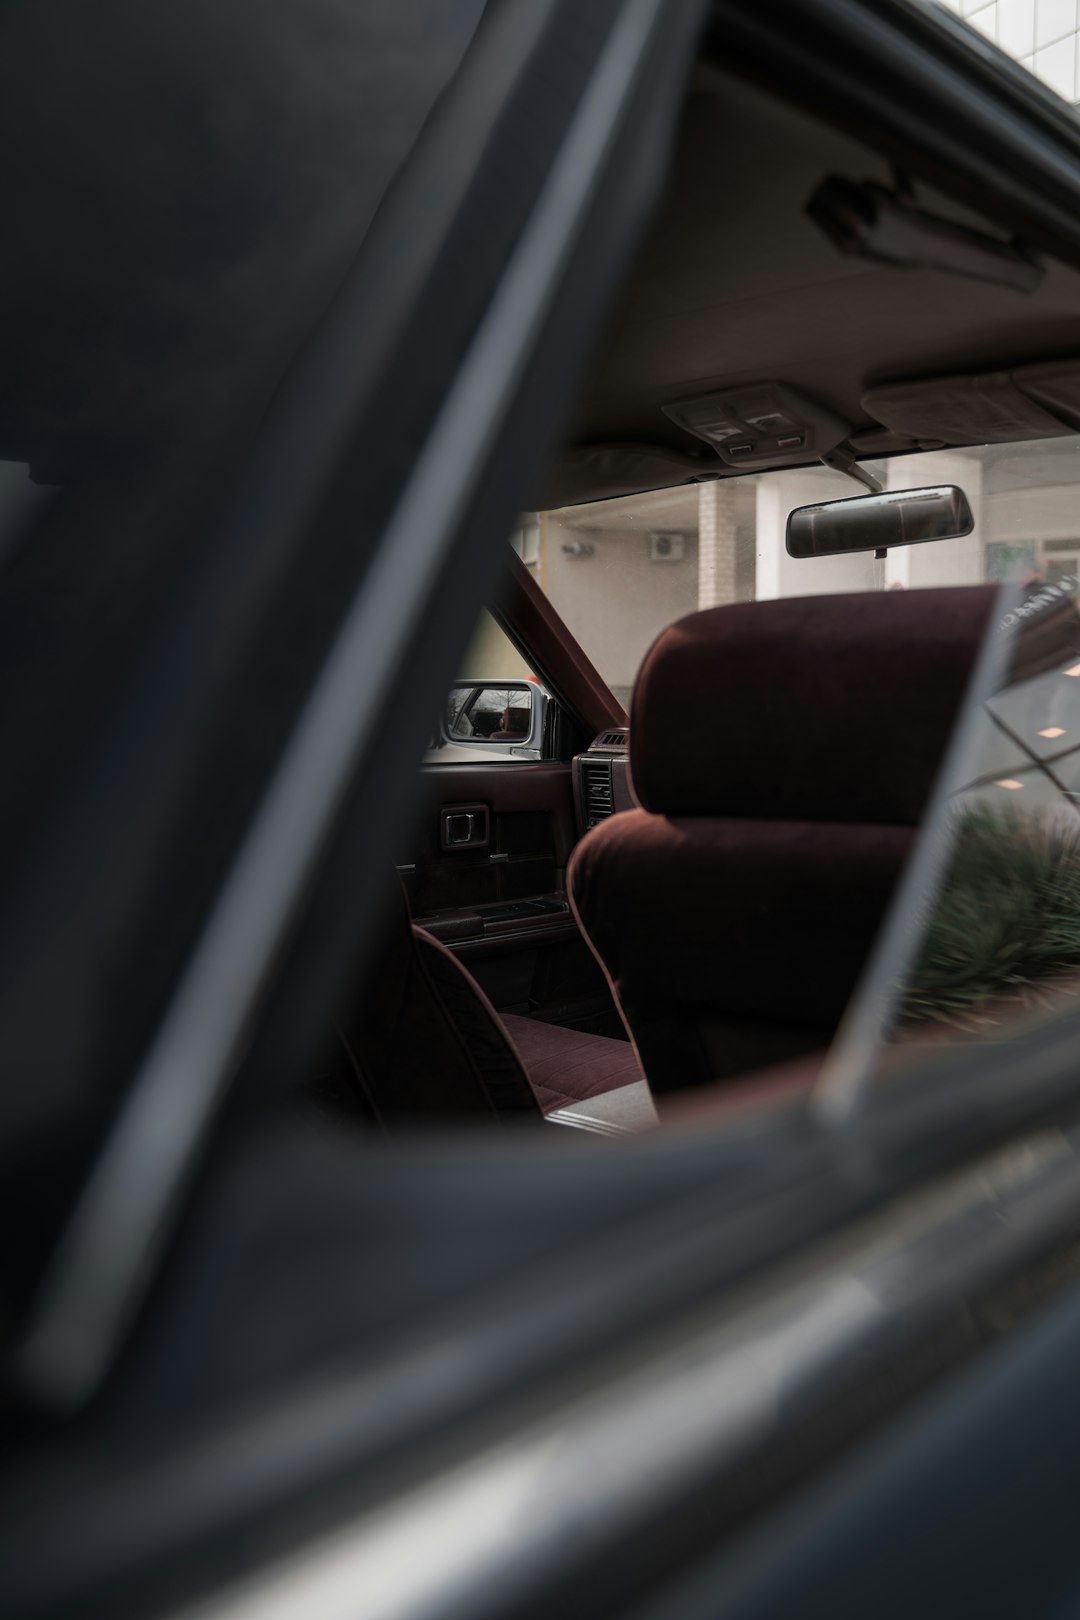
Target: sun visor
pixel 596 472
pixel 1056 387
pixel 995 407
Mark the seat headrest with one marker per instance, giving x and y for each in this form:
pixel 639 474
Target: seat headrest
pixel 819 708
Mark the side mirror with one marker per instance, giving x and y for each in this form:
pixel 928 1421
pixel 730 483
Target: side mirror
pixel 896 517
pixel 495 716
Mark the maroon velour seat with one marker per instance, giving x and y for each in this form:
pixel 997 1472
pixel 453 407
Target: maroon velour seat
pixel 782 753
pixel 424 1044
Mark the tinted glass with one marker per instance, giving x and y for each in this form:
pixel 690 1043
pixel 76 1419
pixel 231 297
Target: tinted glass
pixel 984 935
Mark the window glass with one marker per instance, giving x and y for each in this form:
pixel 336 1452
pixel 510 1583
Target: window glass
pixel 491 655
pixel 987 936
pixel 619 571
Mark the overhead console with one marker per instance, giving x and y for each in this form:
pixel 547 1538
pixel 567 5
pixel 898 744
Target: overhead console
pixel 602 779
pixel 759 425
pixel 1027 402
pixel 766 426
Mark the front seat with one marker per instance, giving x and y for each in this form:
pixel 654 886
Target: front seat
pixel 782 753
pixel 424 1044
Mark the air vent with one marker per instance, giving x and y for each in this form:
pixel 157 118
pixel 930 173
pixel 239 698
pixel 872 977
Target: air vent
pixel 597 795
pixel 615 740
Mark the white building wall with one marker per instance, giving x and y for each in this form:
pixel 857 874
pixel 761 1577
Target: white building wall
pixel 1045 514
pixel 614 598
pixel 781 575
pixel 946 562
pixel 1040 34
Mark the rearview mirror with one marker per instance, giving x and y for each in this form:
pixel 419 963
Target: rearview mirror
pixel 896 517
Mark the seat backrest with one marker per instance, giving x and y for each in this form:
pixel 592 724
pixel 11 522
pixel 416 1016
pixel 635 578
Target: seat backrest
pixel 782 753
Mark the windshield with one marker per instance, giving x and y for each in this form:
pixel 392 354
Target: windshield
pixel 619 571
pixel 983 932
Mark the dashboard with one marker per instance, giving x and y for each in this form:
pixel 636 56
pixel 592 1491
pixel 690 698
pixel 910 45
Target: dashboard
pixel 602 779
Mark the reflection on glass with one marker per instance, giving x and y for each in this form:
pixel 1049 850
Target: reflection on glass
pixel 1003 936
pixel 989 935
pixel 490 713
pixel 1036 714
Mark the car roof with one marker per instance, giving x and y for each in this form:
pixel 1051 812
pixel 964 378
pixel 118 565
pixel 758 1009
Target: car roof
pixel 736 283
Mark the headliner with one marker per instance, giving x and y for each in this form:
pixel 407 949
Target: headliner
pixel 735 284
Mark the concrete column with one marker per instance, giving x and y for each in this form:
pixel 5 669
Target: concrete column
pixel 716 544
pixel 939 562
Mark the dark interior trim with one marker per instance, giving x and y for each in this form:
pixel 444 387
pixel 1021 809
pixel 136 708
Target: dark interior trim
pixel 321 831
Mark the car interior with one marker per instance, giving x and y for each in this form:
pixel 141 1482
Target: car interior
pixel 665 916
pixel 630 903
pixel 682 868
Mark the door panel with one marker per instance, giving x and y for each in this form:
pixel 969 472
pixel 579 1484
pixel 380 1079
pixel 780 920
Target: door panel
pixel 531 833
pixel 501 907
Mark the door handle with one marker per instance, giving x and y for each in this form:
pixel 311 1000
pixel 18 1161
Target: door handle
pixel 464 826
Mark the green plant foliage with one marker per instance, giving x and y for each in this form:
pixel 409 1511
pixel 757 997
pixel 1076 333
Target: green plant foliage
pixel 1007 917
